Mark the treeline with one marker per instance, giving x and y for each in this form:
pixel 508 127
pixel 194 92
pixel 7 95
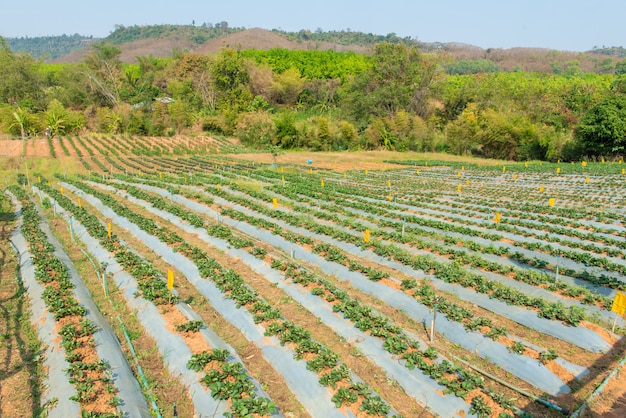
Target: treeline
pixel 396 98
pixel 50 47
pixel 197 34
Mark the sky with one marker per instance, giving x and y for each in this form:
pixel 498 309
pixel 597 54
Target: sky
pixel 569 25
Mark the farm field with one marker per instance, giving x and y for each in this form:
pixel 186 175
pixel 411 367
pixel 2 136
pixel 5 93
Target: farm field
pixel 187 275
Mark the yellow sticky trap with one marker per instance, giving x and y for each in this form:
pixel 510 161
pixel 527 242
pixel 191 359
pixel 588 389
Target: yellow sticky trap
pixel 526 164
pixel 310 171
pixel 160 175
pixel 388 183
pixel 170 280
pixel 345 175
pixel 366 235
pixel 80 205
pixel 109 229
pixel 503 168
pixel 219 187
pixel 38 179
pixel 497 217
pixel 390 197
pixel 275 203
pixel 366 171
pixel 467 181
pixel 558 170
pixel 462 168
pixel 458 174
pixel 619 303
pixel 584 163
pixel 587 179
pixel 623 171
pixel 62 191
pixel 322 182
pixel 551 202
pixel 459 188
pixel 514 176
pixel 542 189
pixel 282 169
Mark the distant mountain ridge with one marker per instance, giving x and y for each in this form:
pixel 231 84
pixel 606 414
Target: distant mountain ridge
pixel 163 40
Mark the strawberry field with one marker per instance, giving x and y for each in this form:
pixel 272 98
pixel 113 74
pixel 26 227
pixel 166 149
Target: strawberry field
pixel 214 285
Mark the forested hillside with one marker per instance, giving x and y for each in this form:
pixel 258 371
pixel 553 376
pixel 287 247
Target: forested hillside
pixel 396 97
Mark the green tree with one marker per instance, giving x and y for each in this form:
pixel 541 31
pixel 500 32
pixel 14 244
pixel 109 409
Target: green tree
pixel 602 130
pixel 20 82
pixel 55 118
pixel 232 80
pixel 399 79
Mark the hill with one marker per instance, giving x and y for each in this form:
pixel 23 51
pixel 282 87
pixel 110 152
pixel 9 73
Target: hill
pixel 163 40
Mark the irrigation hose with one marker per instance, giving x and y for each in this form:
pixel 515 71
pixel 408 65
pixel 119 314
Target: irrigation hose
pixel 144 381
pixel 510 386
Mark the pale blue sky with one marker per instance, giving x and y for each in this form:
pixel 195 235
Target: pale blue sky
pixel 574 25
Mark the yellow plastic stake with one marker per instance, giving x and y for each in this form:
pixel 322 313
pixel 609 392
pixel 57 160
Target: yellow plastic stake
pixel 109 229
pixel 366 235
pixel 275 203
pixel 170 280
pixel 551 202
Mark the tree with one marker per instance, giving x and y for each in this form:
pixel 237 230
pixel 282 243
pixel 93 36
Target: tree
pixel 55 118
pixel 602 130
pixel 399 79
pixel 232 80
pixel 105 71
pixel 20 82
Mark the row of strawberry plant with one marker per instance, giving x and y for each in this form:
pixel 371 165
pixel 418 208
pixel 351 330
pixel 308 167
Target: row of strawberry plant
pixel 91 379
